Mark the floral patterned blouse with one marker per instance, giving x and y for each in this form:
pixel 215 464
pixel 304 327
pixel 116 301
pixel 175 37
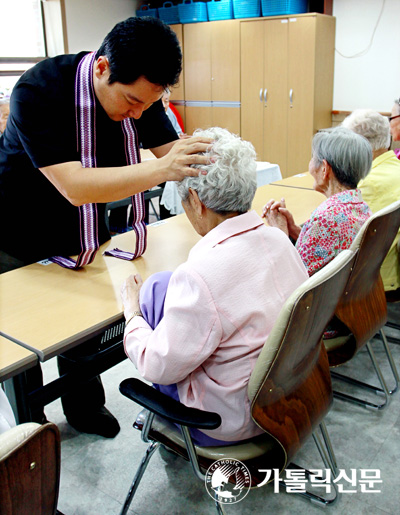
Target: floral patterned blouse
pixel 331 228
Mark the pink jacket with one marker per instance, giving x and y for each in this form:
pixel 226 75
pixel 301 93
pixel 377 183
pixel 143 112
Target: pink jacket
pixel 219 310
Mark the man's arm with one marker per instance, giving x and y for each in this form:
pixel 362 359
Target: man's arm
pixel 163 150
pixel 86 185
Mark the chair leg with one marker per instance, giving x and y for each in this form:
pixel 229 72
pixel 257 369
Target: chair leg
pixel 192 453
pixel 393 325
pixel 380 391
pixel 154 210
pixel 332 463
pixel 391 361
pixel 218 505
pixel 138 476
pixel 328 457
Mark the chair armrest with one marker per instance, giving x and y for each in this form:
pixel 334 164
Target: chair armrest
pixel 166 407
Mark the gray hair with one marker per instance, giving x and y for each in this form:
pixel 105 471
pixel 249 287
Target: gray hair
pixel 231 180
pixel 397 104
pixel 348 153
pixel 370 124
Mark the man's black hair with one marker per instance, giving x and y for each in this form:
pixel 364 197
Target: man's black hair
pixel 142 46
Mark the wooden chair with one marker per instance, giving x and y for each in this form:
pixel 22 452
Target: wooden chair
pixel 363 307
pixel 393 297
pixel 30 470
pixel 290 392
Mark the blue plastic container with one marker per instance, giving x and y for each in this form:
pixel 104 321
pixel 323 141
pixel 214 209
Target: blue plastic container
pixel 145 10
pixel 246 8
pixel 169 13
pixel 278 7
pixel 192 12
pixel 220 10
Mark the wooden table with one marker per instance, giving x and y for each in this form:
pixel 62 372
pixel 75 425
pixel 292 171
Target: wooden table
pixel 14 359
pixel 48 309
pixel 301 202
pixel 301 180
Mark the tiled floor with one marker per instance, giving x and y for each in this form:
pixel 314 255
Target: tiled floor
pixel 97 472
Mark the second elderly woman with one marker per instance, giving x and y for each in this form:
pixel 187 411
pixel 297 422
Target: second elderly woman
pixel 340 159
pixel 394 120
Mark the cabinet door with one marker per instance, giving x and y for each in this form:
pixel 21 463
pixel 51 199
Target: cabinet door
pixel 275 94
pixel 227 118
pixel 301 77
pixel 198 118
pixel 197 61
pixel 178 91
pixel 252 84
pixel 225 61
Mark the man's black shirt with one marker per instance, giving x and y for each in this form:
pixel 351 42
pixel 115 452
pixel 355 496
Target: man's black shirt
pixel 37 222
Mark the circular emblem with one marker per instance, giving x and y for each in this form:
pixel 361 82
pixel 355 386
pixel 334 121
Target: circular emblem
pixel 228 481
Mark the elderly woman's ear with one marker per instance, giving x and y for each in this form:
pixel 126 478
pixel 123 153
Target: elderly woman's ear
pixel 326 169
pixel 196 204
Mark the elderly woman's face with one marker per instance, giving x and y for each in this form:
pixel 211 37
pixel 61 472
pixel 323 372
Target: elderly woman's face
pixel 395 124
pixel 4 112
pixel 165 100
pixel 314 167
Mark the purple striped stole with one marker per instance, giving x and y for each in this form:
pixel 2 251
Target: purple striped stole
pixel 85 106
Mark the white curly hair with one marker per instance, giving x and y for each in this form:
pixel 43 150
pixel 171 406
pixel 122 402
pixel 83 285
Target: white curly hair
pixel 370 124
pixel 231 180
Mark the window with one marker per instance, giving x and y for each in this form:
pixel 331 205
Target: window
pixel 22 41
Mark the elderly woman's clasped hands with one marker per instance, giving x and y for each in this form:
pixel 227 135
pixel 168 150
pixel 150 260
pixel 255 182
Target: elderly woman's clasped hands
pixel 277 215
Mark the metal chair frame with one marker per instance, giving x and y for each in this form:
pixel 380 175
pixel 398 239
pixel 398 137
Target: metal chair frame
pixel 294 343
pixel 363 307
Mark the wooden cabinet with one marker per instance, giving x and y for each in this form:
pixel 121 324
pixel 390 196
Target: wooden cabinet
pixel 178 91
pixel 286 86
pixel 212 74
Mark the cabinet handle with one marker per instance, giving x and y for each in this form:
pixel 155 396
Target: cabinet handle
pixel 291 98
pixel 261 95
pixel 265 96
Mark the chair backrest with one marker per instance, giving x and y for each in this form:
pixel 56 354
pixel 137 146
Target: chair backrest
pixel 362 307
pixel 29 469
pixel 290 388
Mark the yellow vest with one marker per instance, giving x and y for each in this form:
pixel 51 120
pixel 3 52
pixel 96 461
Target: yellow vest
pixel 379 189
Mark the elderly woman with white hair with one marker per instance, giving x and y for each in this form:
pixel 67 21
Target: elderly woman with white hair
pixel 4 113
pixel 381 187
pixel 340 159
pixel 197 332
pixel 394 120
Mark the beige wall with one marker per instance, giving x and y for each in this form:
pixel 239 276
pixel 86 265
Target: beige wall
pixel 88 21
pixel 371 80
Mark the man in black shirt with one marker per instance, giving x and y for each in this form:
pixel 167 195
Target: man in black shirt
pixel 43 175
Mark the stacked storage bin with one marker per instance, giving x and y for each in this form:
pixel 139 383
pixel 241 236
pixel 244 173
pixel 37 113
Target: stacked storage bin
pixel 220 10
pixel 246 8
pixel 169 13
pixel 192 12
pixel 278 7
pixel 145 10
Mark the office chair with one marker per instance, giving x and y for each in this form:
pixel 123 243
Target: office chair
pixel 290 392
pixel 392 297
pixel 363 307
pixel 30 470
pixel 149 195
